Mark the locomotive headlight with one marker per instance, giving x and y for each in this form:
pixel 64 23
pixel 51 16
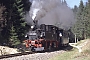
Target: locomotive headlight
pixel 60 34
pixel 32 27
pixel 25 35
pixel 41 35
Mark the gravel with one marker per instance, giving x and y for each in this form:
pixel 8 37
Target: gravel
pixel 36 56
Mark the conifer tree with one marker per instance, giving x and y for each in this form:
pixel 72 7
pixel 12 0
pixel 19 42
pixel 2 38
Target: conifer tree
pixel 18 18
pixel 79 26
pixel 75 10
pixel 13 40
pixel 15 11
pixel 88 18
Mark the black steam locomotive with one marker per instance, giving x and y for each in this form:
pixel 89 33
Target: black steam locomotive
pixel 46 37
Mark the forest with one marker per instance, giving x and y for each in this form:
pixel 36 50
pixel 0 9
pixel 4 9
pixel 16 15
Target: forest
pixel 12 21
pixel 13 25
pixel 82 15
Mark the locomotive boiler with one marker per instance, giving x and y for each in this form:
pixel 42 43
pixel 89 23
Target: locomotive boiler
pixel 46 37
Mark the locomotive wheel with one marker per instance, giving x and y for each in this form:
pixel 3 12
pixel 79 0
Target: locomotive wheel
pixel 67 44
pixel 32 49
pixel 29 49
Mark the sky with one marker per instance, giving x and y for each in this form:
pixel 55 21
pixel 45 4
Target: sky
pixel 71 3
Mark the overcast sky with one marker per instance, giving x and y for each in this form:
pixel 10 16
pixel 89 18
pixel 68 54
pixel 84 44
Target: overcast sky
pixel 71 3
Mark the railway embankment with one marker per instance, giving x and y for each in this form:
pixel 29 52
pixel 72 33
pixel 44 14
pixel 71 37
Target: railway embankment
pixel 80 45
pixel 80 51
pixel 4 50
pixel 36 56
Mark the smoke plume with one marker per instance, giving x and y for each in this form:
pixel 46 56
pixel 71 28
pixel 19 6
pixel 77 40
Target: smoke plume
pixel 51 12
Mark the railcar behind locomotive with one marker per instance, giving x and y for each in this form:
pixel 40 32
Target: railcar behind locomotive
pixel 46 37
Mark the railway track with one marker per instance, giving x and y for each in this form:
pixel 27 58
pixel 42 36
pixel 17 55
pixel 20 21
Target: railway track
pixel 27 53
pixel 14 55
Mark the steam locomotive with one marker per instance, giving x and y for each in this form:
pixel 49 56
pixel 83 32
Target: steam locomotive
pixel 46 37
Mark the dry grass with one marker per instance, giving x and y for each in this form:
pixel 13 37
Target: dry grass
pixel 74 54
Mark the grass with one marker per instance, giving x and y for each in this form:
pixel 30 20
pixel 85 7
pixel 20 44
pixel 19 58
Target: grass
pixel 82 41
pixel 69 55
pixel 74 54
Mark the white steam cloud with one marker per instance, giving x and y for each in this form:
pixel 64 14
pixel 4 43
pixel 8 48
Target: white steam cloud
pixel 51 12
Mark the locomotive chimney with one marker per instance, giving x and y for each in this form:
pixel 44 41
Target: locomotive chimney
pixel 34 26
pixel 35 23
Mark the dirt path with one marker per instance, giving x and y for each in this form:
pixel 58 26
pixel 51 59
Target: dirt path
pixel 80 46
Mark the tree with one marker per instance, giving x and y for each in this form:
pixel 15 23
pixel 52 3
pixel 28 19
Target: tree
pixel 18 18
pixel 7 18
pixel 2 17
pixel 26 4
pixel 14 41
pixel 87 18
pixel 79 27
pixel 64 2
pixel 2 21
pixel 82 26
pixel 75 10
pixel 15 11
